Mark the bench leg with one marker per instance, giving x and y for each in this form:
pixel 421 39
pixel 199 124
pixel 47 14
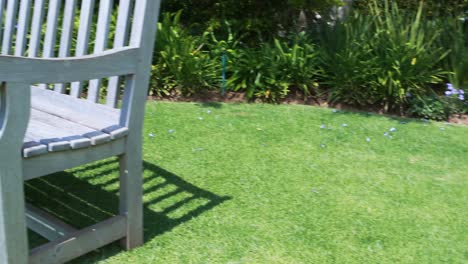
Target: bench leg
pixel 13 236
pixel 131 198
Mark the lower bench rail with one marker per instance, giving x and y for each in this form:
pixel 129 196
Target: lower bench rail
pixel 45 224
pixel 68 243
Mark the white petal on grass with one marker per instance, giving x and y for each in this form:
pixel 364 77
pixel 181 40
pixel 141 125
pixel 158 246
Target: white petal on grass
pixel 368 139
pixel 151 135
pixel 323 126
pixel 392 129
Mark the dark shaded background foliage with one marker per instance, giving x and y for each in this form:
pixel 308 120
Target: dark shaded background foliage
pixel 256 18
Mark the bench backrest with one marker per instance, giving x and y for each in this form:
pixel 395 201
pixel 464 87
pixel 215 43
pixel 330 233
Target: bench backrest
pixel 69 28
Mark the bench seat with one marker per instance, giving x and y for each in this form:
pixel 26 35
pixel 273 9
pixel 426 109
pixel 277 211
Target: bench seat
pixel 59 122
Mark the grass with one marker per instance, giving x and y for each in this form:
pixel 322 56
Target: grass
pixel 240 183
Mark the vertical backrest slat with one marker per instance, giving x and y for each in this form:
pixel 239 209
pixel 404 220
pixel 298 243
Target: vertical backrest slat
pixel 120 39
pixel 86 17
pixel 36 28
pixel 51 29
pixel 66 36
pixel 10 24
pixel 102 35
pixel 50 38
pixel 2 6
pixel 138 22
pixel 23 27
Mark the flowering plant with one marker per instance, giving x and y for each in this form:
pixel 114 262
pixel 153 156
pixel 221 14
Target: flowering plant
pixel 455 99
pixel 452 92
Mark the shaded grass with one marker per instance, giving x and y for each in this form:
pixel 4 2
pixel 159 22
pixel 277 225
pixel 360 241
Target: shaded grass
pixel 240 183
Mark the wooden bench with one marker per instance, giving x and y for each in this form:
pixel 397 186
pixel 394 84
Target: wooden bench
pixel 62 77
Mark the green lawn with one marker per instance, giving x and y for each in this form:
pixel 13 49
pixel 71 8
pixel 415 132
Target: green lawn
pixel 241 183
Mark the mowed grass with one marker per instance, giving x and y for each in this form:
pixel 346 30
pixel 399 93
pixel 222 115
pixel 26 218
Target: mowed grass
pixel 242 183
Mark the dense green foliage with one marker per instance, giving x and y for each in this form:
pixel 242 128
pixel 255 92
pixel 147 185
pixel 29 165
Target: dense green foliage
pixel 251 183
pixel 397 59
pixel 381 57
pixel 435 8
pixel 270 71
pixel 181 63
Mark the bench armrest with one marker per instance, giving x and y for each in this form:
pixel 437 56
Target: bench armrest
pixel 14 116
pixel 114 62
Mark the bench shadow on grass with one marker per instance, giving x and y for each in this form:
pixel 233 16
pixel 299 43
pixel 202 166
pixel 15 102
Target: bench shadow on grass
pixel 169 201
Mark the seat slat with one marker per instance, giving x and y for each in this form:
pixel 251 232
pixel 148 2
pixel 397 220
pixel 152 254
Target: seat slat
pixel 50 133
pixel 80 136
pixel 74 109
pixel 102 35
pixel 32 148
pixel 120 40
pixel 46 135
pixel 86 17
pixel 66 36
pixel 44 127
pixel 10 23
pixel 23 26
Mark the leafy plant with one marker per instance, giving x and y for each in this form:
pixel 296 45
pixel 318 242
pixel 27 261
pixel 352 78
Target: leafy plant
pixel 440 107
pixel 384 55
pixel 181 63
pixel 429 107
pixel 455 39
pixel 272 70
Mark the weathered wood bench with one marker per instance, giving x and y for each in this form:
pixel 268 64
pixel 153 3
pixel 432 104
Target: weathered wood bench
pixel 53 115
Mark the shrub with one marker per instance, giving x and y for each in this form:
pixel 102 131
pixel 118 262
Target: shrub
pixel 434 8
pixel 455 39
pixel 181 63
pixel 439 107
pixel 272 70
pixel 383 56
pixel 429 107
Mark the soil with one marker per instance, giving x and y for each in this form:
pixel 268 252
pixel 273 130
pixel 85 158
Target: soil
pixel 292 98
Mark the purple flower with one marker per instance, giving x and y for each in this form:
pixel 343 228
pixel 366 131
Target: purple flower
pixel 461 97
pixel 450 87
pixel 448 93
pixel 461 91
